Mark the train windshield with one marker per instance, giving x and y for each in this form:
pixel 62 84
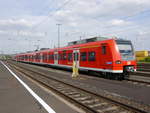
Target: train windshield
pixel 126 50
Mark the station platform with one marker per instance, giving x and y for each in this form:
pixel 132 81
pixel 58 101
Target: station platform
pixel 15 98
pixel 123 89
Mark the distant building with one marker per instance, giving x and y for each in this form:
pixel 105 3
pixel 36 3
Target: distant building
pixel 142 55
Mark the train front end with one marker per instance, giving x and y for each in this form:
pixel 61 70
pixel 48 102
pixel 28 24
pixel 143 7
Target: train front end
pixel 127 58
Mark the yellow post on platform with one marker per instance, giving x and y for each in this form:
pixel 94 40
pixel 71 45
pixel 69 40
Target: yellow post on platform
pixel 75 69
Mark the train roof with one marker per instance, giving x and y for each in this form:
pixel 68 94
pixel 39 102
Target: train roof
pixel 94 39
pixel 76 44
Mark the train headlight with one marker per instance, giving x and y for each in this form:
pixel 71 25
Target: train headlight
pixel 118 62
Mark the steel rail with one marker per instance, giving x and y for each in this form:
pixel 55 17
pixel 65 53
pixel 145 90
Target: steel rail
pixel 127 107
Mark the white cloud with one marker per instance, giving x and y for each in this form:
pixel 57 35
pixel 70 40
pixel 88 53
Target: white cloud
pixel 83 18
pixel 144 33
pixel 15 22
pixel 103 9
pixel 22 33
pixel 119 22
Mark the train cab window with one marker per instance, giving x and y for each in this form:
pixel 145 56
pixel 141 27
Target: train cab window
pixel 91 56
pixel 103 50
pixel 69 56
pixel 83 56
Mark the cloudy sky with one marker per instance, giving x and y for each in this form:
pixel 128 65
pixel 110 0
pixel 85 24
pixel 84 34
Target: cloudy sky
pixel 25 24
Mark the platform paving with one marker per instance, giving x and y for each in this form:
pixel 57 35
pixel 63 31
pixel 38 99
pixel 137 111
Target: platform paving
pixel 136 92
pixel 14 98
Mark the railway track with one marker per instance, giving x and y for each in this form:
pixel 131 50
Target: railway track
pixel 89 101
pixel 139 81
pixel 142 73
pixel 143 69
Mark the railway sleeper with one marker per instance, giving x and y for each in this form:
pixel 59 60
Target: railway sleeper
pixel 97 104
pixel 113 76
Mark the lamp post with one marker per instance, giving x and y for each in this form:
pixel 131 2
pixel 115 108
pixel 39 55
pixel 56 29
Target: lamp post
pixel 58 34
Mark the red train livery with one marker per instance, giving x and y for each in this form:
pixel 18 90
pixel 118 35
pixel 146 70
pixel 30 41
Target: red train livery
pixel 111 57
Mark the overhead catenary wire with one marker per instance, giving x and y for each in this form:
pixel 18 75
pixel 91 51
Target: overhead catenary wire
pixel 51 14
pixel 47 6
pixel 109 26
pixel 65 3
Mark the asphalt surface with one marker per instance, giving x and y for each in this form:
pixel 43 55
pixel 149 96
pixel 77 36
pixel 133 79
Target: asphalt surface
pixel 135 92
pixel 14 98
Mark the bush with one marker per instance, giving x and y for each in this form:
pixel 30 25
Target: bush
pixel 142 60
pixel 147 59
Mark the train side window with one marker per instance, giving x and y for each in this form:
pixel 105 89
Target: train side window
pixel 103 50
pixel 59 56
pixel 56 56
pixel 37 56
pixel 64 56
pixel 41 57
pixel 51 57
pixel 45 57
pixel 91 56
pixel 83 56
pixel 69 56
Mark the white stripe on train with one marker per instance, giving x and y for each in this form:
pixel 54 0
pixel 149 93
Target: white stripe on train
pixel 84 68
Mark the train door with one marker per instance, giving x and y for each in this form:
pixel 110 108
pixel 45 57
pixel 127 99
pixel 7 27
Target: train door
pixel 41 57
pixel 34 57
pixel 76 57
pixel 56 58
pixel 106 55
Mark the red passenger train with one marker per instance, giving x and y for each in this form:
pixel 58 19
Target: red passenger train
pixel 114 58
